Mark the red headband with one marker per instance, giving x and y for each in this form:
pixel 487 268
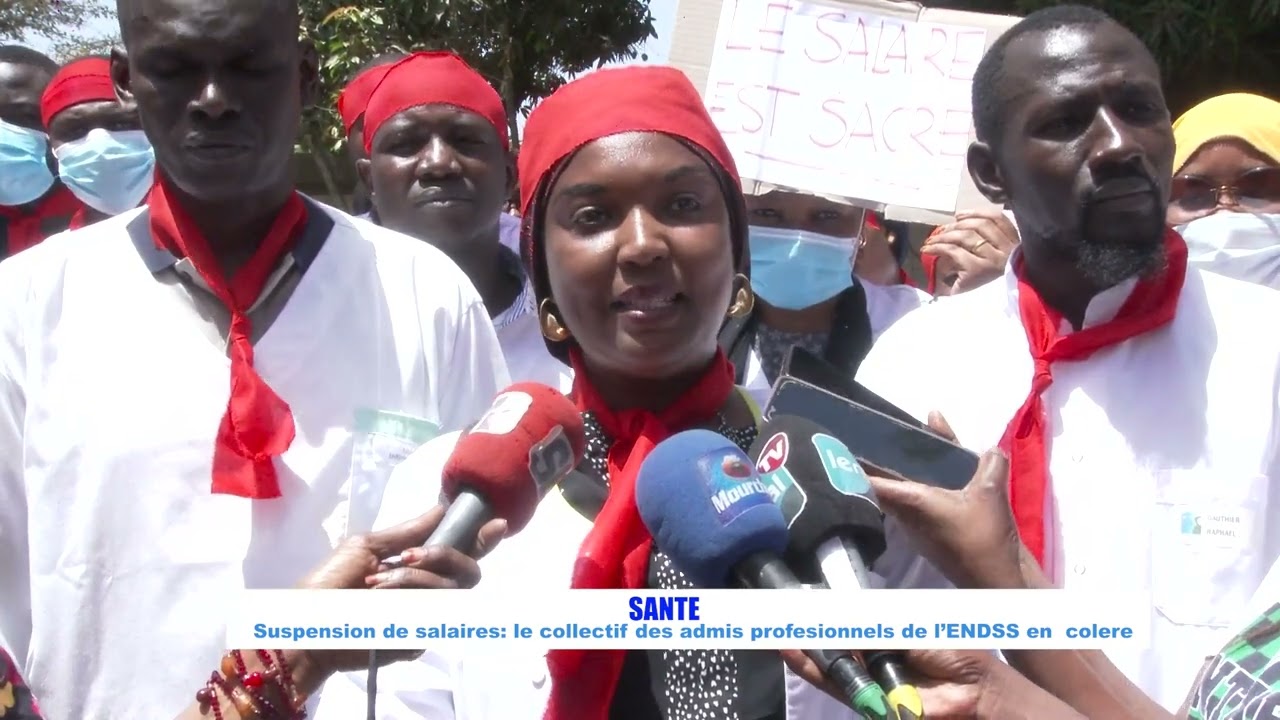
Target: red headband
pixel 354 99
pixel 87 80
pixel 642 98
pixel 433 78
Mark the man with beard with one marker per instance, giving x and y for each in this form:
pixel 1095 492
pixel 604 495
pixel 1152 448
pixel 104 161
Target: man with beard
pixel 1136 397
pixel 210 392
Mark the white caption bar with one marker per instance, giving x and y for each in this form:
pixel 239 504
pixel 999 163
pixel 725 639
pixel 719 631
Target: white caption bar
pixel 709 619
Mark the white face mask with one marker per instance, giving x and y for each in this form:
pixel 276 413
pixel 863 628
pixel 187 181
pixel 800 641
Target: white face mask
pixel 1238 245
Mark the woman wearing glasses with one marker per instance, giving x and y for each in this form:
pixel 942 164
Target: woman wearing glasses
pixel 1226 187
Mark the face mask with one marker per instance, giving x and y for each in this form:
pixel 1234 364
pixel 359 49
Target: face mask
pixel 795 269
pixel 1238 245
pixel 109 171
pixel 24 167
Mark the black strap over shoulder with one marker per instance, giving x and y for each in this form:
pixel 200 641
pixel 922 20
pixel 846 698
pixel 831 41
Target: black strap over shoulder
pixel 850 338
pixel 847 346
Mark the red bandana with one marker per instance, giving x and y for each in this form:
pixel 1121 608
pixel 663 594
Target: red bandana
pixel 28 229
pixel 354 98
pixel 433 78
pixel 258 424
pixel 82 81
pixel 616 552
pixel 1151 306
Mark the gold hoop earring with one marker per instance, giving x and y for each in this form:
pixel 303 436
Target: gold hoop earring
pixel 744 299
pixel 552 329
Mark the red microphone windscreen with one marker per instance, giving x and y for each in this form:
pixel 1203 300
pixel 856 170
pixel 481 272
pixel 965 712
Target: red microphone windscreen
pixel 525 443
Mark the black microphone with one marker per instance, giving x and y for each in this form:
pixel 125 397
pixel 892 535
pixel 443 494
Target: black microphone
pixel 705 507
pixel 836 529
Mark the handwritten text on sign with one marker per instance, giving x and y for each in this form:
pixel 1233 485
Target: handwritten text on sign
pixel 843 102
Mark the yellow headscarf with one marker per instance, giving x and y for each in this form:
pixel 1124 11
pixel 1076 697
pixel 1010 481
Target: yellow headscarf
pixel 1252 118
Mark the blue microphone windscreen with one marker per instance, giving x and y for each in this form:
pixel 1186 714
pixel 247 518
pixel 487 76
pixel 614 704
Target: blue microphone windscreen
pixel 705 506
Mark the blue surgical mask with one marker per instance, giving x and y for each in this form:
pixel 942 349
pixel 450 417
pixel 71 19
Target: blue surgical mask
pixel 795 269
pixel 110 171
pixel 24 165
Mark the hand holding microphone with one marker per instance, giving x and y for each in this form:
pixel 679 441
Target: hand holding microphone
pixel 835 526
pixel 521 448
pixel 707 508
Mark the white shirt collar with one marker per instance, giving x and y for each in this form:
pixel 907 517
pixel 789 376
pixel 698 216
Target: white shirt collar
pixel 1101 309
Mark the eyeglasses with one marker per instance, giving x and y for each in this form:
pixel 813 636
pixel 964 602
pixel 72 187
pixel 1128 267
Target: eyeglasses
pixel 1254 190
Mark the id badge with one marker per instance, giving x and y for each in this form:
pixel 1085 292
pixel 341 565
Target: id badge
pixel 382 440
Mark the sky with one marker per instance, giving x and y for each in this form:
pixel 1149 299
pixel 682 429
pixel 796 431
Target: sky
pixel 664 18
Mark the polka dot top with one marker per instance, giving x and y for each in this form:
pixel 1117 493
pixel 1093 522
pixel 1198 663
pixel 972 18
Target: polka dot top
pixel 688 684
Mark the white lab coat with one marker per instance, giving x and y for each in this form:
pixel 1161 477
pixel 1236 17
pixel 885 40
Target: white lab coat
pixel 523 347
pixel 116 560
pixel 1147 438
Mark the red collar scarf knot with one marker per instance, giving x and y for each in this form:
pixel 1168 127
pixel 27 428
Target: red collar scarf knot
pixel 257 425
pixel 28 229
pixel 615 554
pixel 1151 305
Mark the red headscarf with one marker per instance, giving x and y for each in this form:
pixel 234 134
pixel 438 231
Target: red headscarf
pixel 616 552
pixel 433 78
pixel 257 425
pixel 83 81
pixel 354 98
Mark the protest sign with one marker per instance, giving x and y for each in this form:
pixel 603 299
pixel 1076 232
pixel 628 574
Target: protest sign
pixel 865 100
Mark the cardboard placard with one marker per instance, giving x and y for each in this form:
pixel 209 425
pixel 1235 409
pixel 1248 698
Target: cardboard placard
pixel 865 101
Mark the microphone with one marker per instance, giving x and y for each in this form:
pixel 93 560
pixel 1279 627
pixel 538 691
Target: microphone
pixel 529 439
pixel 709 511
pixel 524 445
pixel 836 527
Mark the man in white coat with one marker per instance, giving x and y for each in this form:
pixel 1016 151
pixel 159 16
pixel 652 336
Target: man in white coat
pixel 1136 397
pixel 208 393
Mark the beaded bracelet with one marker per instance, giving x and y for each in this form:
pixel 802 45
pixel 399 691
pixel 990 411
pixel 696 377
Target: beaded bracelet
pixel 246 690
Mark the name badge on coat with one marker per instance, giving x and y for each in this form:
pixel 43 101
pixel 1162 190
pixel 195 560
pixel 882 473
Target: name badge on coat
pixel 381 441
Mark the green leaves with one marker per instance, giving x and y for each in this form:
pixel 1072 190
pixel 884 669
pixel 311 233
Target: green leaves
pixel 526 48
pixel 59 20
pixel 1204 47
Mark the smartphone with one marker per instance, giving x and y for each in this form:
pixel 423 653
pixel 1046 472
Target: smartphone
pixel 808 368
pixel 887 443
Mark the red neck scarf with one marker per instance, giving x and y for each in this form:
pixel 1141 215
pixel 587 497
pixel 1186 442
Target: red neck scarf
pixel 258 424
pixel 29 228
pixel 616 552
pixel 1151 306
